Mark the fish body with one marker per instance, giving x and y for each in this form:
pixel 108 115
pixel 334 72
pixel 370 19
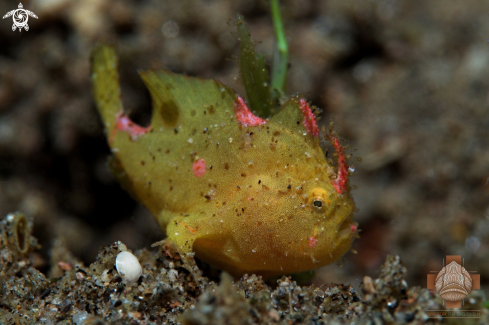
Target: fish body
pixel 246 194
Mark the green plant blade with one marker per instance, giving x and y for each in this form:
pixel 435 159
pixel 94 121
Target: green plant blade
pixel 254 74
pixel 281 54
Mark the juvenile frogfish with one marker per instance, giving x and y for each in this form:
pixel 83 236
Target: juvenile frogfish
pixel 246 194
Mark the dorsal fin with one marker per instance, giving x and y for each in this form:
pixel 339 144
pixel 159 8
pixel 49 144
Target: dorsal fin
pixel 175 96
pixel 165 109
pixel 296 115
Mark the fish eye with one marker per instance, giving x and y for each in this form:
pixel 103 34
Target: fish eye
pixel 317 203
pixel 316 199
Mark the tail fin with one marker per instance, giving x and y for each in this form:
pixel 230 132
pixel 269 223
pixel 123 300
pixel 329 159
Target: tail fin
pixel 105 81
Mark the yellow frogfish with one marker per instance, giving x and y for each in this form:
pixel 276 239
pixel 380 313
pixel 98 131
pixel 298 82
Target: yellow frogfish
pixel 246 194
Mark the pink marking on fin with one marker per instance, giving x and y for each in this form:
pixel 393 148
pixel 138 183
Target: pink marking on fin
pixel 124 123
pixel 309 119
pixel 244 116
pixel 342 177
pixel 198 167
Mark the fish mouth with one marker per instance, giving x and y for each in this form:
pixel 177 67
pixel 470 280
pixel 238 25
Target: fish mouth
pixel 347 230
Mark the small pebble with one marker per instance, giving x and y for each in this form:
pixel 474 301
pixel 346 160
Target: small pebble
pixel 128 266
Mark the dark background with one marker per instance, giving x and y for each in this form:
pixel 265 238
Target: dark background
pixel 405 82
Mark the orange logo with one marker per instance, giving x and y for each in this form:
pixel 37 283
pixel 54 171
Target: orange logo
pixel 453 283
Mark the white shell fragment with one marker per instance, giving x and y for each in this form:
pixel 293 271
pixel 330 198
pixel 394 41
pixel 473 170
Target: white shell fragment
pixel 128 266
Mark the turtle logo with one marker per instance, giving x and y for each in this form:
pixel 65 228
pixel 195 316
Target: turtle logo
pixel 20 16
